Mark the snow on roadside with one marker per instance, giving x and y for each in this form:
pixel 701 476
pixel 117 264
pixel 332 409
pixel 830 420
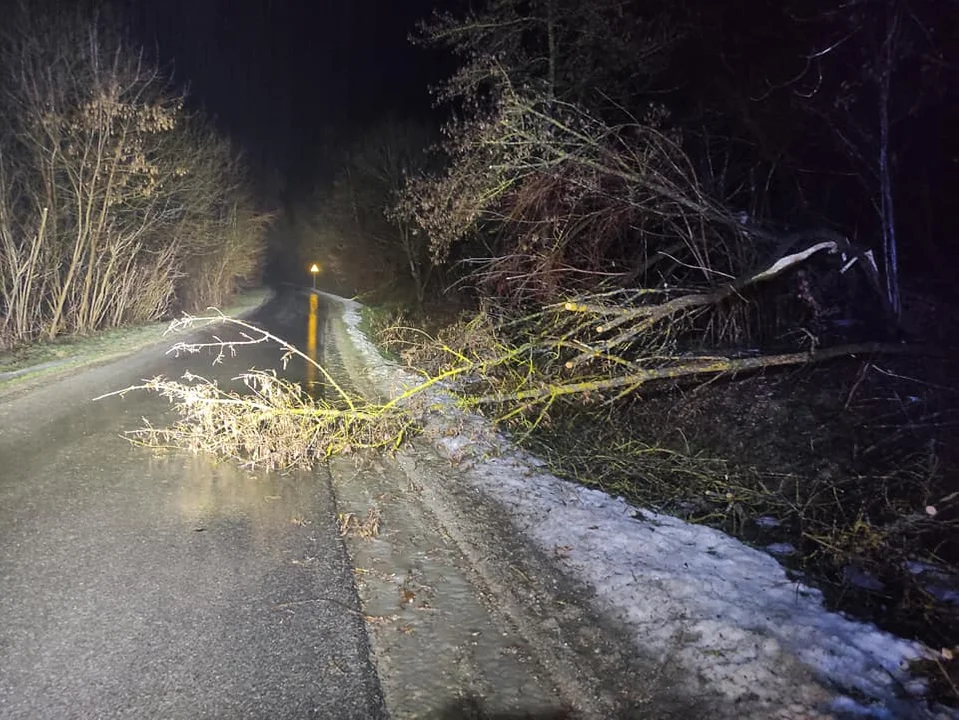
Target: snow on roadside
pixel 726 611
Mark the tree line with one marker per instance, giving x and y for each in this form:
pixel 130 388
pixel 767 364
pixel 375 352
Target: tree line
pixel 117 204
pixel 665 145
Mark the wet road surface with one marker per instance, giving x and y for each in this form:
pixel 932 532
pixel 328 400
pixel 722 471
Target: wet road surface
pixel 136 583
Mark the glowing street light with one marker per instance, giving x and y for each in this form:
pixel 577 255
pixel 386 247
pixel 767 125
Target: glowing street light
pixel 314 269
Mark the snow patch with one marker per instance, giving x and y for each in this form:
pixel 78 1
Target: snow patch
pixel 783 549
pixel 767 522
pixel 727 611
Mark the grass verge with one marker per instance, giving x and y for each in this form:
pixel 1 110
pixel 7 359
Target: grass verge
pixel 23 366
pixel 847 470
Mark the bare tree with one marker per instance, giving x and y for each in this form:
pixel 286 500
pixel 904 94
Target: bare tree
pixel 354 228
pixel 570 49
pixel 105 181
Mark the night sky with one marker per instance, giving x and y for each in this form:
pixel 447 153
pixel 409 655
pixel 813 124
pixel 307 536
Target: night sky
pixel 286 79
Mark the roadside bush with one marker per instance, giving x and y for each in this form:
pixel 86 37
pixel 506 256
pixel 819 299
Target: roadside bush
pixel 114 203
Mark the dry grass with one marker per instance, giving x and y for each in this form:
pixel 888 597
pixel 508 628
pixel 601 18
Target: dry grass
pixel 854 463
pixel 863 491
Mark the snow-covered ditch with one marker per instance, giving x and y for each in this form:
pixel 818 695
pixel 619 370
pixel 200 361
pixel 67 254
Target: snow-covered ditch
pixel 727 611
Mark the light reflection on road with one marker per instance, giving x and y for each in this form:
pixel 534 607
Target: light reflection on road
pixel 209 490
pixel 311 342
pixel 209 494
pixel 138 582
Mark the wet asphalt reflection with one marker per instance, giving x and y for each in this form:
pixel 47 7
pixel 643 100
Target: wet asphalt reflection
pixel 137 583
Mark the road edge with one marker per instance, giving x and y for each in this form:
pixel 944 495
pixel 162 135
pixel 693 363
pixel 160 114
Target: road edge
pixel 600 672
pixel 22 380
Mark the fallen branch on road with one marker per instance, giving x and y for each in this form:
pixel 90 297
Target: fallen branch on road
pixel 272 422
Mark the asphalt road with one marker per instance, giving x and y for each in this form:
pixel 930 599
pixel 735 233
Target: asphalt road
pixel 137 584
